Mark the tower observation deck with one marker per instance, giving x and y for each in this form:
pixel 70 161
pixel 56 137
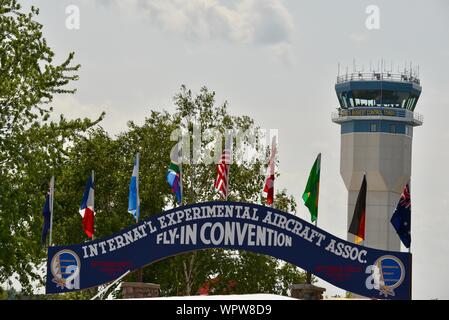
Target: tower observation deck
pixel 377 116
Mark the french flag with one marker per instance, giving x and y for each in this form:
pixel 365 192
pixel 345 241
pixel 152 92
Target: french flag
pixel 87 207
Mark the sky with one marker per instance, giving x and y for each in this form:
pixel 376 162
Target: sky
pixel 275 61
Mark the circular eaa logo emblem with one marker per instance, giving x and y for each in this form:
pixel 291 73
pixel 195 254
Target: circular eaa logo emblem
pixel 387 273
pixel 65 268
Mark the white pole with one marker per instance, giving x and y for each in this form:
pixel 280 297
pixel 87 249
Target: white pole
pixel 137 186
pixel 105 289
pixel 139 271
pixel 93 175
pixel 52 192
pixel 180 161
pixel 228 146
pixel 410 193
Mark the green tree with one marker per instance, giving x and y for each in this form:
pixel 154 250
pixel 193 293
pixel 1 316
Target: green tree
pixel 32 147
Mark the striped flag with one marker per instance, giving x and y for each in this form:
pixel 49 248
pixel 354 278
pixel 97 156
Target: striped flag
pixel 174 173
pixel 133 198
pixel 87 207
pixel 357 226
pixel 268 190
pixel 222 181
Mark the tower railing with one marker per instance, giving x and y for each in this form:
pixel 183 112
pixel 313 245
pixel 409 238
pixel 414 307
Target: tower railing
pixel 418 116
pixel 378 76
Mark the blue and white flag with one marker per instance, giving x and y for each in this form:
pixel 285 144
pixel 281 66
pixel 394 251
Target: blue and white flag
pixel 134 201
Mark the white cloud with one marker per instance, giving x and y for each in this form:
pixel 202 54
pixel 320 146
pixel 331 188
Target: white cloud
pixel 72 108
pixel 260 22
pixel 68 105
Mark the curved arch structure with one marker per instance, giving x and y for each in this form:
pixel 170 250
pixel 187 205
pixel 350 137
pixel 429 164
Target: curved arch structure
pixel 231 225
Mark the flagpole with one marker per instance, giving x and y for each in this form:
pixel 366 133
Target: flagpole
pixel 137 186
pixel 52 191
pixel 139 271
pixel 227 182
pixel 229 165
pixel 318 161
pixel 308 273
pixel 93 184
pixel 180 160
pixel 410 193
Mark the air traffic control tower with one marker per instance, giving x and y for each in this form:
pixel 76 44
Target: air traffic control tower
pixel 377 118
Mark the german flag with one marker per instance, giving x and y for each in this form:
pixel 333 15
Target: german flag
pixel 357 226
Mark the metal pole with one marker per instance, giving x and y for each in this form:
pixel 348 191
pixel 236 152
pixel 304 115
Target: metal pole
pixel 52 192
pixel 93 175
pixel 410 193
pixel 309 274
pixel 137 187
pixel 105 289
pixel 139 271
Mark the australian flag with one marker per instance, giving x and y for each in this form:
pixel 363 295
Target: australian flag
pixel 402 217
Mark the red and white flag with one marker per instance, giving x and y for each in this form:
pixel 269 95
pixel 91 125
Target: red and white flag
pixel 268 189
pixel 222 181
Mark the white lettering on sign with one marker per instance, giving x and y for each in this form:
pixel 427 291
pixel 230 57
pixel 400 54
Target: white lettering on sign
pixel 224 234
pixel 247 227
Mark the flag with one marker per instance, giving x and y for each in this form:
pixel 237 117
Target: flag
pixel 401 218
pixel 133 198
pixel 268 190
pixel 174 174
pixel 357 226
pixel 87 207
pixel 312 191
pixel 47 213
pixel 222 181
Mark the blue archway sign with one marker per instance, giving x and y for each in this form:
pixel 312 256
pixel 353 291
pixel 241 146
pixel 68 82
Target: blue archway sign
pixel 231 225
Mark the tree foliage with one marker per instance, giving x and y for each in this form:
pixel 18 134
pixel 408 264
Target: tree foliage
pixel 31 145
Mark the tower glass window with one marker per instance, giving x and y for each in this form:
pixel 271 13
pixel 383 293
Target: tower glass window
pixel 391 93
